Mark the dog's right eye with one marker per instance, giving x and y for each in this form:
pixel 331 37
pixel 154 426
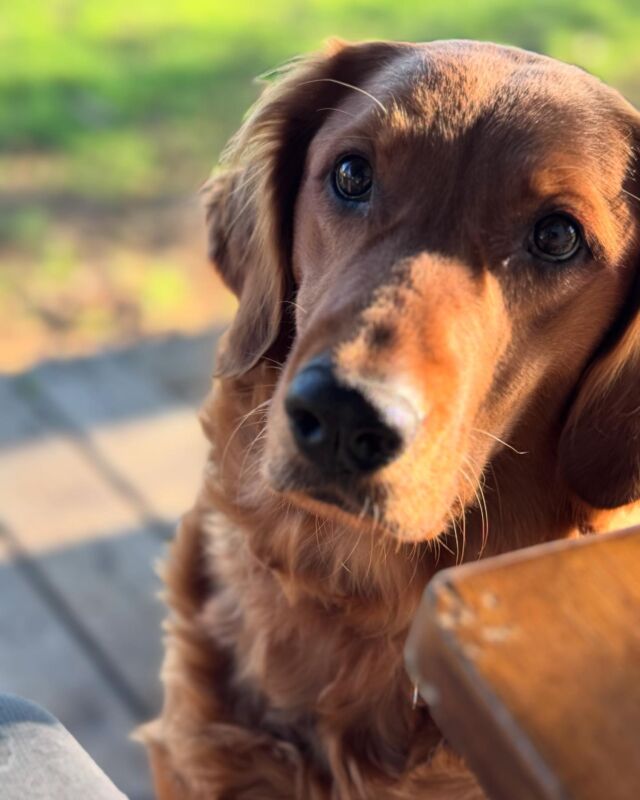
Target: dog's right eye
pixel 353 178
pixel 556 237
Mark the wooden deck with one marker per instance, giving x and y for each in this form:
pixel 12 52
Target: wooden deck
pixel 98 458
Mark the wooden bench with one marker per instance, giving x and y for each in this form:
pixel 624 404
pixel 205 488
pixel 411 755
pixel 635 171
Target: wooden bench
pixel 530 663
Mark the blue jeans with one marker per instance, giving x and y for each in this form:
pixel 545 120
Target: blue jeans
pixel 40 760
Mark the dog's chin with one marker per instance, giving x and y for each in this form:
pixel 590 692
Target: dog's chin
pixel 360 506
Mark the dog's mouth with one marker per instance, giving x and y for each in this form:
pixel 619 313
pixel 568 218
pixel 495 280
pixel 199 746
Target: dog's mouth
pixel 357 503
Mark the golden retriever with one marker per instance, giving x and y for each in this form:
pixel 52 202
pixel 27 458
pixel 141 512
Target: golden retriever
pixel 436 357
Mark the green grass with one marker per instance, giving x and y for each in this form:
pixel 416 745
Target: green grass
pixel 108 83
pixel 108 106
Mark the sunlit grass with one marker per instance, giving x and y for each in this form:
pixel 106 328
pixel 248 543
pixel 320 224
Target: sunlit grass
pixel 111 113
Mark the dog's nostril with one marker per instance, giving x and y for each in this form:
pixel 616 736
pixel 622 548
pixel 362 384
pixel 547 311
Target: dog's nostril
pixel 372 448
pixel 308 426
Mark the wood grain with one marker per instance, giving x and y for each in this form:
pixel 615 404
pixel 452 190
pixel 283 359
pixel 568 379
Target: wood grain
pixel 530 663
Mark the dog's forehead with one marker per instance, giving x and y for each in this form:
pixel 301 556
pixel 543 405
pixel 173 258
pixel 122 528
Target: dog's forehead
pixel 446 91
pixel 467 80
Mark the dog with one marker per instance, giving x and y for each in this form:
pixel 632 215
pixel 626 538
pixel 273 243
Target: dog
pixel 435 358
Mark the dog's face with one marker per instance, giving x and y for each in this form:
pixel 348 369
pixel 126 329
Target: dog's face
pixel 441 240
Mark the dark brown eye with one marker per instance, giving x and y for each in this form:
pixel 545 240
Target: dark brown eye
pixel 556 237
pixel 353 178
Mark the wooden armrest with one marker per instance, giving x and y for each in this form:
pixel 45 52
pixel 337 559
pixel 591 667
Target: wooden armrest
pixel 530 663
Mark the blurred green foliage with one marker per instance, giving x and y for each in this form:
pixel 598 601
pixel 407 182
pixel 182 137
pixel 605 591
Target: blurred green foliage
pixel 128 88
pixel 112 106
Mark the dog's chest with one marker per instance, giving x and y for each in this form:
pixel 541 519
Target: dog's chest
pixel 306 677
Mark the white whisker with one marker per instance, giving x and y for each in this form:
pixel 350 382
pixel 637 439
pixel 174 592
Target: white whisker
pixel 347 86
pixel 501 441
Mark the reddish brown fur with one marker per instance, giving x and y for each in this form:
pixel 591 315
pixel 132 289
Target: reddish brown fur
pixel 284 675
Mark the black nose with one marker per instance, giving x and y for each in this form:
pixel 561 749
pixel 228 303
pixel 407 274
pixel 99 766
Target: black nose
pixel 335 426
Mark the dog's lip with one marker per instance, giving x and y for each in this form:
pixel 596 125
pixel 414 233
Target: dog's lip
pixel 301 482
pixel 331 497
pixel 332 506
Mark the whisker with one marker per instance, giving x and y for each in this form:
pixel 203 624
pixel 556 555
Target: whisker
pixel 235 431
pixel 455 534
pixel 260 436
pixel 343 562
pixel 478 491
pixel 631 195
pixel 277 364
pixel 347 86
pixel 501 441
pixel 496 487
pixel 295 304
pixel 441 543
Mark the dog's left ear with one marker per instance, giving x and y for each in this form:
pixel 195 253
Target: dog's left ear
pixel 599 449
pixel 250 201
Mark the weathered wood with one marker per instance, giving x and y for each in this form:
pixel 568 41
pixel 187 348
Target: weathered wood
pixel 146 440
pixel 182 364
pixel 50 496
pixel 111 588
pixel 530 663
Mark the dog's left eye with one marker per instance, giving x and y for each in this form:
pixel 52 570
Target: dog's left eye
pixel 353 178
pixel 556 237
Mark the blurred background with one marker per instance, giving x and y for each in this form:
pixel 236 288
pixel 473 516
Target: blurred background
pixel 112 114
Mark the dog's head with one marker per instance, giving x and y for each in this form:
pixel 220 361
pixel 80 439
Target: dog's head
pixel 440 244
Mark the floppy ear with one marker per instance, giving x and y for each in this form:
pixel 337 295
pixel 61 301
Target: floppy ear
pixel 254 274
pixel 250 201
pixel 599 450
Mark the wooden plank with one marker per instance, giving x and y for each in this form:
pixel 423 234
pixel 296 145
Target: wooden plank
pixel 163 457
pixel 51 496
pixel 91 549
pixel 111 587
pixel 17 423
pixel 130 423
pixel 100 390
pixel 41 660
pixel 530 664
pixel 183 365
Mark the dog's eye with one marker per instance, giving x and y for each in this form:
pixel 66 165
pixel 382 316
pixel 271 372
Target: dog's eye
pixel 353 178
pixel 556 237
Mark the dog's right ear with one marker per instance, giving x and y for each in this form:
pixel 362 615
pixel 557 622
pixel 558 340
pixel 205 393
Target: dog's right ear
pixel 247 268
pixel 228 229
pixel 250 201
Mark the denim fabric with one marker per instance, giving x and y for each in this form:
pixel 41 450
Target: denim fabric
pixel 40 760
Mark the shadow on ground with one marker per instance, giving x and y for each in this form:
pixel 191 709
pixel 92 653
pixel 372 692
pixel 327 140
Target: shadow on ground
pixel 98 458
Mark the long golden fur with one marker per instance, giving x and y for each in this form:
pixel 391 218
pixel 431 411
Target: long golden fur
pixel 291 596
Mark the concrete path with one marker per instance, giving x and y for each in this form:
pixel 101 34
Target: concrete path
pixel 98 458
